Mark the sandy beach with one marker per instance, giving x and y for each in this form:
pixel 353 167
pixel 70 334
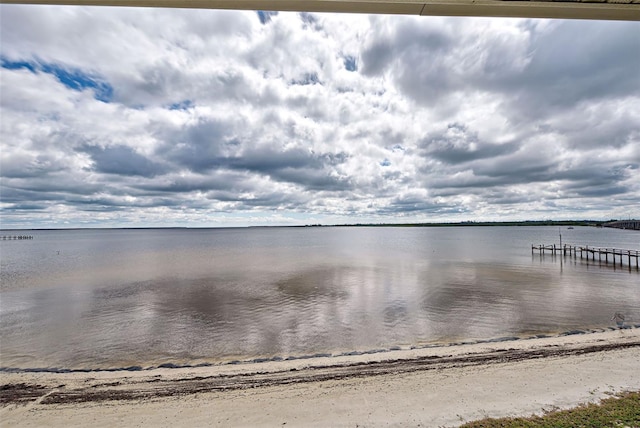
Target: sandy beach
pixel 439 386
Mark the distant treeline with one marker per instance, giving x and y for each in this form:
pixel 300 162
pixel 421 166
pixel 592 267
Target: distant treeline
pixel 592 223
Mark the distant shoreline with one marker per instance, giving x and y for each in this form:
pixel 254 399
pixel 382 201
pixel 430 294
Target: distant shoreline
pixel 586 223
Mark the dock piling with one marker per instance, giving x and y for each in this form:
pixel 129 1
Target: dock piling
pixel 631 255
pixel 16 237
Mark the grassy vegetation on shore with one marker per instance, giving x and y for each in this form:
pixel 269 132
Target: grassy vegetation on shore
pixel 620 411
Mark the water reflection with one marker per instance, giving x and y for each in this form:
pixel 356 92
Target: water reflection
pixel 238 295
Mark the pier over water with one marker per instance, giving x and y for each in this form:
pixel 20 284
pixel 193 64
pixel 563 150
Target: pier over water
pixel 605 255
pixel 624 224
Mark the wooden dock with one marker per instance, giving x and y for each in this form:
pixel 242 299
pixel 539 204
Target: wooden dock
pixel 605 255
pixel 15 237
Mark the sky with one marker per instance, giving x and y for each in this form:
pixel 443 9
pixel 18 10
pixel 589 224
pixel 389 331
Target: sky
pixel 125 117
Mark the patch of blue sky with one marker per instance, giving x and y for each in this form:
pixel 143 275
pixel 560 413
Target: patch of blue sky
pixel 265 16
pixel 182 105
pixel 307 79
pixel 385 162
pixel 78 80
pixel 350 63
pixel 16 65
pixel 72 78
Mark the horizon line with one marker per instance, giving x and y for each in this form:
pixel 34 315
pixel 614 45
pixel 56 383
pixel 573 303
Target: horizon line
pixel 573 222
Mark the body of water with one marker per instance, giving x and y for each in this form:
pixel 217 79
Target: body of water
pixel 85 299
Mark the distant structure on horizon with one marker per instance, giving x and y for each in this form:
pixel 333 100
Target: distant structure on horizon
pixel 624 224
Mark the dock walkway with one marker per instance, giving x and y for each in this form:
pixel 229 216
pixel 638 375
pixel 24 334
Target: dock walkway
pixel 604 254
pixel 624 224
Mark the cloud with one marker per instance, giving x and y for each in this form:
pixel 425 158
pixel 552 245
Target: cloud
pixel 564 70
pixel 124 116
pixel 121 160
pixel 456 145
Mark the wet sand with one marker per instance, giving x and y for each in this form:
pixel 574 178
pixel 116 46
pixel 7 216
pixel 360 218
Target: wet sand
pixel 442 386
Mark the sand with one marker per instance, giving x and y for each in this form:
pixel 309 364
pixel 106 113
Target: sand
pixel 443 386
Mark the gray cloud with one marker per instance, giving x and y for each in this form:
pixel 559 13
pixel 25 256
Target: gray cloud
pixel 408 204
pixel 456 145
pixel 121 160
pixel 200 147
pixel 565 70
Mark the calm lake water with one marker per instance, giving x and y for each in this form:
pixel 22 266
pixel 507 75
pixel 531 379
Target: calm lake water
pixel 117 298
